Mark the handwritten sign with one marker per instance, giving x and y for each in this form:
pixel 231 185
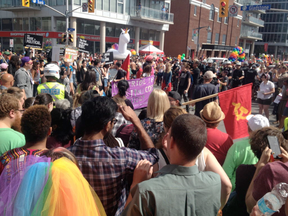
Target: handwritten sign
pixel 70 54
pixel 138 92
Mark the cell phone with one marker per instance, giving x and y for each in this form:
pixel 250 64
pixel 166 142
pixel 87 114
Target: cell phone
pixel 274 146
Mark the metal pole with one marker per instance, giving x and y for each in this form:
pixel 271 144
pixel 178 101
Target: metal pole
pixel 67 22
pixel 198 43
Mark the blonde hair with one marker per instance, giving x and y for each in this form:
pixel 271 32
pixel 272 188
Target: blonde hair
pixel 168 67
pixel 60 152
pixel 158 104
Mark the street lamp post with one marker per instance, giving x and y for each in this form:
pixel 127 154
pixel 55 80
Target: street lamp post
pixel 208 29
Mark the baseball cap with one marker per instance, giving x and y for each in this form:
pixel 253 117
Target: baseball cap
pixel 238 63
pixel 208 75
pixel 175 95
pixel 204 61
pixel 149 58
pixel 6 53
pixel 24 60
pixel 3 66
pixel 210 61
pixel 253 66
pixel 256 122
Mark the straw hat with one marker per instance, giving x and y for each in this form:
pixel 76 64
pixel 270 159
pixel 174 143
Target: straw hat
pixel 212 113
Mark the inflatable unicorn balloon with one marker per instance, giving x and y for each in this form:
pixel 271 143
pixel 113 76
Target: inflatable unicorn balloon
pixel 121 53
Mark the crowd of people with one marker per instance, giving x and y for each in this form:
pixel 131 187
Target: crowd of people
pixel 67 147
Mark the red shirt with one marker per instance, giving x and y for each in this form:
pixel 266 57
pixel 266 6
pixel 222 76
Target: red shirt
pixel 139 73
pixel 218 143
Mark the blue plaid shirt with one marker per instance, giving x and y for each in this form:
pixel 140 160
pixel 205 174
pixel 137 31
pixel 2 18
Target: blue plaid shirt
pixel 106 170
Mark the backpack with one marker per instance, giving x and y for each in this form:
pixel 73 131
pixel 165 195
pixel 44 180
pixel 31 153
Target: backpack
pixel 124 132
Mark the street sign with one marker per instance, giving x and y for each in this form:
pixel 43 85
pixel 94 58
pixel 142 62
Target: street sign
pixel 38 2
pixel 71 29
pixel 11 43
pixel 233 11
pixel 84 7
pixel 256 7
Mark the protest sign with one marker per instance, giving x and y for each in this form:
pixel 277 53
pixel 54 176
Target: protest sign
pixel 33 41
pixel 70 54
pixel 83 45
pixel 138 92
pixel 108 57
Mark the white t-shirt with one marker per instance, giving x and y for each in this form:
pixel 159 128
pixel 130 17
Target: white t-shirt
pixel 265 88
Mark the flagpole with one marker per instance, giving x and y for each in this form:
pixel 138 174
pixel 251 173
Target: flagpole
pixel 200 99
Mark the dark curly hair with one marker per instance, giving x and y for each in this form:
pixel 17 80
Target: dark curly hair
pixel 35 123
pixel 259 141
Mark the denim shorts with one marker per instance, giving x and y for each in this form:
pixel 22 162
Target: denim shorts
pixel 105 80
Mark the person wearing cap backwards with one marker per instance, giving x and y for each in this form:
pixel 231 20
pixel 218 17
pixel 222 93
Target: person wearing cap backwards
pixel 237 76
pixel 203 90
pixel 265 93
pixel 203 66
pixel 3 68
pixel 240 152
pixel 174 98
pixel 23 77
pixel 5 57
pixel 52 87
pixel 218 142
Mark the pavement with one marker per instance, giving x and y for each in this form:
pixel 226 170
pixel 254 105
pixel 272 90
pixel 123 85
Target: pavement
pixel 221 127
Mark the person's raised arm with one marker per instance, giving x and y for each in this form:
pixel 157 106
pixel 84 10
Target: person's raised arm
pixel 130 115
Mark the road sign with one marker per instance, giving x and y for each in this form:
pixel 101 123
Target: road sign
pixel 11 43
pixel 71 29
pixel 84 7
pixel 256 7
pixel 233 11
pixel 38 2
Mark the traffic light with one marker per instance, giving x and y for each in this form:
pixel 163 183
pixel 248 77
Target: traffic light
pixel 71 38
pixel 26 3
pixel 223 9
pixel 91 6
pixel 64 37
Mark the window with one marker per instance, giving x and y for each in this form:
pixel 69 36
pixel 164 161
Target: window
pixel 61 25
pixel 217 38
pixel 144 34
pixel 120 8
pixel 89 27
pixel 212 12
pixel 209 35
pixel 18 24
pixel 236 41
pixel 46 23
pixel 107 5
pixel 226 20
pixel 97 29
pixel 60 2
pixel 7 24
pixel 223 39
pixel 195 10
pixel 35 24
pixel 26 23
pixel 127 7
pixel 118 30
pixel 110 30
pixel 113 6
pixel 99 4
pixel 219 19
pixel 77 2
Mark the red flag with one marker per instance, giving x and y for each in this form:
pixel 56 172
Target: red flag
pixel 126 66
pixel 236 105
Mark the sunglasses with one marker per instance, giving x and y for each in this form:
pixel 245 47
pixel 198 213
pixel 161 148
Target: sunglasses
pixel 29 63
pixel 114 121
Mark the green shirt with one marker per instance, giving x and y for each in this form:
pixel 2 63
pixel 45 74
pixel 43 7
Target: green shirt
pixel 10 139
pixel 239 153
pixel 178 190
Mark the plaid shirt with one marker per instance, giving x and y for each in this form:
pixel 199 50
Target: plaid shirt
pixel 120 121
pixel 106 170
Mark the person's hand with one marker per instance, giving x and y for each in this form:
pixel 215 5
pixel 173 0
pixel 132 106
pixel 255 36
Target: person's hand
pixel 185 91
pixel 128 113
pixel 218 81
pixel 265 157
pixel 283 155
pixel 142 172
pixel 255 211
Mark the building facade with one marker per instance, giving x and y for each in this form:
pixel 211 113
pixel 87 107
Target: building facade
pixel 147 20
pixel 251 25
pixel 275 31
pixel 216 41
